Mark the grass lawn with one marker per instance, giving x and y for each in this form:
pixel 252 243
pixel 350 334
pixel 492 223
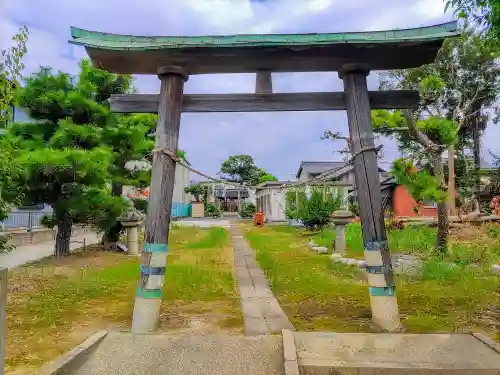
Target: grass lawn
pixel 54 305
pixel 319 295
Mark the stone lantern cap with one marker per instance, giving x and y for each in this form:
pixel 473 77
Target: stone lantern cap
pixel 132 217
pixel 342 217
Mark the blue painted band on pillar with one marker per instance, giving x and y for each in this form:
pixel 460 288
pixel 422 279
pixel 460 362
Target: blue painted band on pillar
pixel 149 293
pixel 147 270
pixel 155 248
pixel 388 291
pixel 378 269
pixel 376 246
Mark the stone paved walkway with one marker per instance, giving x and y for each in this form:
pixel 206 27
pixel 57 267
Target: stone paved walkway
pixel 261 311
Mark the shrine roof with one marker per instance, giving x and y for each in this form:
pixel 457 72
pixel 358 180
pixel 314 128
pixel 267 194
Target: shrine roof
pixel 210 54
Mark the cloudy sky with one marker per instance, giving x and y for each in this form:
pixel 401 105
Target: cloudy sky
pixel 277 141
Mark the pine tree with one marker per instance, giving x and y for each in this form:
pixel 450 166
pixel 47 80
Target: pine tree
pixel 64 160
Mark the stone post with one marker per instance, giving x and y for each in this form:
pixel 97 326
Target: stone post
pixel 341 218
pixel 131 221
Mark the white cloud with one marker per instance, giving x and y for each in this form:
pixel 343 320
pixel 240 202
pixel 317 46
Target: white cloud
pixel 278 141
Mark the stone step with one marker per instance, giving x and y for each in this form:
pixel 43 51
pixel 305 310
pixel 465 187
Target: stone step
pixel 183 354
pixel 395 354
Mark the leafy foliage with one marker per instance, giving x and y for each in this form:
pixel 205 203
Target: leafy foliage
pixel 314 210
pixel 421 185
pixel 141 204
pixel 484 13
pixel 11 67
pixel 267 177
pixel 63 156
pixel 198 191
pixel 248 210
pixel 454 90
pixel 5 247
pixel 242 168
pixel 212 210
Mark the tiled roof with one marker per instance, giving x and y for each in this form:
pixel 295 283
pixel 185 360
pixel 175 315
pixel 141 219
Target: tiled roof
pixel 108 41
pixel 275 183
pixel 319 167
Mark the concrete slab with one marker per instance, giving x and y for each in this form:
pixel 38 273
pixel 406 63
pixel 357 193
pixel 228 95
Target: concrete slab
pixel 66 363
pixel 391 354
pixel 193 354
pixel 203 223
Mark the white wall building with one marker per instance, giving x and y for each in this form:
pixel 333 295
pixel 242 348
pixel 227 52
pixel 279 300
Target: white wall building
pixel 271 200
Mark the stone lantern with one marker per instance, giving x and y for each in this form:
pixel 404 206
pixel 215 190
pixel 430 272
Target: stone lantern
pixel 341 218
pixel 131 220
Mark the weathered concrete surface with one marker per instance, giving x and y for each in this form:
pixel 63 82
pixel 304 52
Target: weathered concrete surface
pixel 391 354
pixel 76 357
pixel 193 354
pixel 290 353
pixel 202 223
pixel 262 313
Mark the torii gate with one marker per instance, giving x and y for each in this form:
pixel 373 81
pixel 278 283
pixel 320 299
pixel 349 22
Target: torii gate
pixel 352 55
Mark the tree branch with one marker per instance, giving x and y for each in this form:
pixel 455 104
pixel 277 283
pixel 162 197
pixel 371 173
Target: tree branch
pixel 420 137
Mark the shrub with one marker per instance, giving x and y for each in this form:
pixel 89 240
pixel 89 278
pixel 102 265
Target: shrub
pixel 141 204
pixel 4 245
pixel 248 210
pixel 198 191
pixel 212 210
pixel 315 212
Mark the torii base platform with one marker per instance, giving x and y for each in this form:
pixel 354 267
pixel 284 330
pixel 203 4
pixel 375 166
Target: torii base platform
pixel 353 55
pixel 306 353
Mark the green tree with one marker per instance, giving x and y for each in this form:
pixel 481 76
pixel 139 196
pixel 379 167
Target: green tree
pixel 126 136
pixel 242 168
pixel 484 13
pixel 11 67
pixel 64 161
pixel 197 191
pixel 468 67
pixel 421 134
pixel 238 168
pixel 267 177
pixel 455 89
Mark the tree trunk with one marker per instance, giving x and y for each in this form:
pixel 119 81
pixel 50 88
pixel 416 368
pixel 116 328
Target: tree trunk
pixel 116 189
pixel 442 208
pixel 476 149
pixel 63 235
pixel 451 181
pixel 113 234
pixel 443 228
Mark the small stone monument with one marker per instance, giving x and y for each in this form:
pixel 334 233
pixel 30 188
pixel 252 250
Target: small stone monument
pixel 131 220
pixel 341 218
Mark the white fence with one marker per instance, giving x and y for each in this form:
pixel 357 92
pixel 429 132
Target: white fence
pixel 3 305
pixel 27 219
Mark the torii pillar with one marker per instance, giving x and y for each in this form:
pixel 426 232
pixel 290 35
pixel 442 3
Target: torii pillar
pixel 382 290
pixel 154 253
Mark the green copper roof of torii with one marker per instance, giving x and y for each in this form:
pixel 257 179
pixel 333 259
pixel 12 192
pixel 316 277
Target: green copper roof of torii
pixel 106 41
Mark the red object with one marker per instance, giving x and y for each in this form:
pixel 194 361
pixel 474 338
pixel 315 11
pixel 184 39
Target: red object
pixel 258 219
pixel 404 204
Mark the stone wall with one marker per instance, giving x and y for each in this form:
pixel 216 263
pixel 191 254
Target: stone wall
pixel 23 237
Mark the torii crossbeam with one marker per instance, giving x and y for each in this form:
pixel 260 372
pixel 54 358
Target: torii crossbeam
pixel 352 55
